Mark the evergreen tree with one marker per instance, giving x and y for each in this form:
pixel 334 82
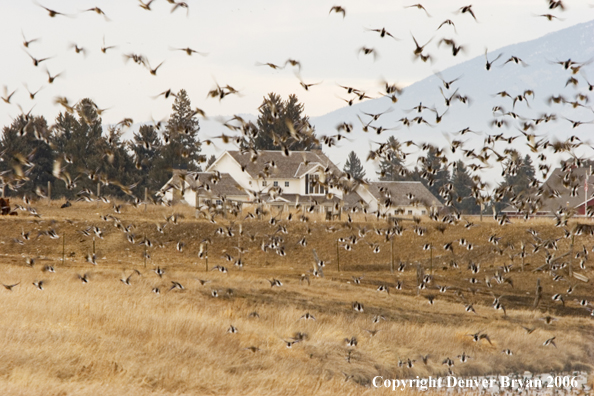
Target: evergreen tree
pixel 354 167
pixel 79 147
pixel 182 147
pixel 391 163
pixel 26 155
pixel 210 161
pixel 434 174
pixel 519 172
pixel 282 125
pixel 145 147
pixel 462 190
pixel 118 166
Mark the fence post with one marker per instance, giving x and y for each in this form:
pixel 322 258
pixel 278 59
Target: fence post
pixel 392 256
pixel 570 266
pixel 145 198
pixel 431 262
pixel 49 192
pixel 337 256
pixel 144 256
pixel 239 240
pixel 63 248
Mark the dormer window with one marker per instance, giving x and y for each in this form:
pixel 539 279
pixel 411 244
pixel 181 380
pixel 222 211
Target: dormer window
pixel 264 183
pixel 313 185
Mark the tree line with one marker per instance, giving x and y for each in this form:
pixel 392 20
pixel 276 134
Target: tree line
pixel 76 153
pixel 452 182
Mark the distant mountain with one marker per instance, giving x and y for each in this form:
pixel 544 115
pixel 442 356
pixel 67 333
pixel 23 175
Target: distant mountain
pixel 541 75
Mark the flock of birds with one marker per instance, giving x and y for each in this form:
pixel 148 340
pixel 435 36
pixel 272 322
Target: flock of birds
pixel 556 266
pixel 547 255
pixel 243 132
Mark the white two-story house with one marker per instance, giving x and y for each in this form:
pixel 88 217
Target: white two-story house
pixel 300 178
pixel 280 179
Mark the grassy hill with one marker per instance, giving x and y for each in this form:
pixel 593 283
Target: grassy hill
pixel 108 337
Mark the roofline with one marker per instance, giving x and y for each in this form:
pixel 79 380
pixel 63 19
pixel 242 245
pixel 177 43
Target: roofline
pixel 317 165
pixel 395 181
pixel 220 157
pixel 278 151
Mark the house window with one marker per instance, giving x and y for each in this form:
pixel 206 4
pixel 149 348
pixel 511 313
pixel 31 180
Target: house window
pixel 313 185
pixel 286 184
pixel 250 182
pixel 423 212
pixel 275 184
pixel 219 202
pixel 410 212
pixel 263 183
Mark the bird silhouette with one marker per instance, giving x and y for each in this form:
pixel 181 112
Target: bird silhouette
pixel 338 10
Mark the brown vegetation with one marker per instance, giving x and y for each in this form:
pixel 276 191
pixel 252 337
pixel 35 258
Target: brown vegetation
pixel 105 337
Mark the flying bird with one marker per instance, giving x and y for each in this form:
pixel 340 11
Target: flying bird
pixel 51 12
pixel 467 9
pixel 98 11
pixel 420 7
pixel 490 63
pixel 383 33
pixel 338 10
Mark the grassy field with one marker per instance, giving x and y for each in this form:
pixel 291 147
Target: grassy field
pixel 106 337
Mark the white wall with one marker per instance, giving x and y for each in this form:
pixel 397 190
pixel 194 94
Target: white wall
pixel 226 164
pixel 190 196
pixel 367 197
pixel 415 211
pixel 292 189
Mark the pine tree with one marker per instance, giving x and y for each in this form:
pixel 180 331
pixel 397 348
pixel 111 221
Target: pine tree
pixel 146 147
pixel 118 166
pixel 434 174
pixel 182 147
pixel 27 156
pixel 392 162
pixel 282 125
pixel 210 161
pixel 519 172
pixel 354 167
pixel 462 190
pixel 79 146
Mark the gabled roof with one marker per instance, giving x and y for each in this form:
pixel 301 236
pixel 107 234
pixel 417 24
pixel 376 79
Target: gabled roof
pixel 563 189
pixel 297 164
pixel 210 183
pixel 353 199
pixel 564 183
pixel 398 192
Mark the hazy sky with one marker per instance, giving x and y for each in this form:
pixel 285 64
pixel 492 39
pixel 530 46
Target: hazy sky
pixel 236 35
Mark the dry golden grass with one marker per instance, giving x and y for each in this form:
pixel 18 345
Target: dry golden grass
pixel 108 338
